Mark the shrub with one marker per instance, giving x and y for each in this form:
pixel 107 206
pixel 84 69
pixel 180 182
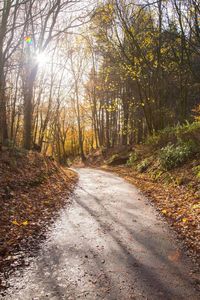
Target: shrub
pixel 143 166
pixel 132 159
pixel 173 156
pixel 162 137
pixel 176 134
pixel 189 131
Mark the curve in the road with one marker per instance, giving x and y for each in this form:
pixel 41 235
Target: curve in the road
pixel 110 244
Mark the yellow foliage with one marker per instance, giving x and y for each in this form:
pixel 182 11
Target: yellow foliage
pixel 15 223
pixel 25 223
pixel 197 113
pixel 196 206
pixel 184 220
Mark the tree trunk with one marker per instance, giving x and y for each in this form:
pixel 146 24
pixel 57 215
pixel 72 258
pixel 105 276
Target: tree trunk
pixel 28 108
pixel 3 122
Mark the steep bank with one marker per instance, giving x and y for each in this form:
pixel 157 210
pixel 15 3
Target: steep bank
pixel 32 190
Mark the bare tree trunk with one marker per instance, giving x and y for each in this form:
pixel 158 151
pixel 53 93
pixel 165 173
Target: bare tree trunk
pixel 28 108
pixel 3 119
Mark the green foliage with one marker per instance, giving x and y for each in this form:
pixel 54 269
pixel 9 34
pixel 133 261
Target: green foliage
pixel 132 159
pixel 143 166
pixel 176 134
pixel 197 171
pixel 162 138
pixel 157 174
pixel 112 158
pixel 173 156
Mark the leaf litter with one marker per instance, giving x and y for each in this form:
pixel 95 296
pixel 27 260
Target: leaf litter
pixel 32 191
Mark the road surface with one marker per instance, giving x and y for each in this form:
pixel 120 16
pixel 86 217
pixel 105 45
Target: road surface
pixel 109 244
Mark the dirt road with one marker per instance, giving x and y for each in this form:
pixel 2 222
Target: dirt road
pixel 110 244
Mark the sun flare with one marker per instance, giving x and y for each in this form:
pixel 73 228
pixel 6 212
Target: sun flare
pixel 41 58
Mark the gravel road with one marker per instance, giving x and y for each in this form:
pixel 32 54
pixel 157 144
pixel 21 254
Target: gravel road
pixel 109 244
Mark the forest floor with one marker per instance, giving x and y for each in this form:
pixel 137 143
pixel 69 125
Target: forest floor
pixel 32 191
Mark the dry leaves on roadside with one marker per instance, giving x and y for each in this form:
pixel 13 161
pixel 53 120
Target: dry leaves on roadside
pixel 180 205
pixel 32 190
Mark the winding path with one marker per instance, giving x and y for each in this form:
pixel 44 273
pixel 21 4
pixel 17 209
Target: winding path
pixel 109 244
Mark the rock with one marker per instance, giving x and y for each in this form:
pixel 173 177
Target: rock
pixel 118 159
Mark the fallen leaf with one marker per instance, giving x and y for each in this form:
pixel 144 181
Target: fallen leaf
pixel 15 223
pixel 196 206
pixel 174 256
pixel 25 223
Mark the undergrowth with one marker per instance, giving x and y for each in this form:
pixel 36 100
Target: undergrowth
pixel 173 156
pixel 176 134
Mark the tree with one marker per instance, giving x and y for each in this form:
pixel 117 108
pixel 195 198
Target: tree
pixel 9 10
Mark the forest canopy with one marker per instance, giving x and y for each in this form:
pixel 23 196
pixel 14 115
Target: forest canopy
pixel 80 75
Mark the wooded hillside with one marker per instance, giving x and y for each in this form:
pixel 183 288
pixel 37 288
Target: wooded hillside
pixel 113 73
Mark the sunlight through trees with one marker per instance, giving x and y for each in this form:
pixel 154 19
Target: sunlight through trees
pixel 79 75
